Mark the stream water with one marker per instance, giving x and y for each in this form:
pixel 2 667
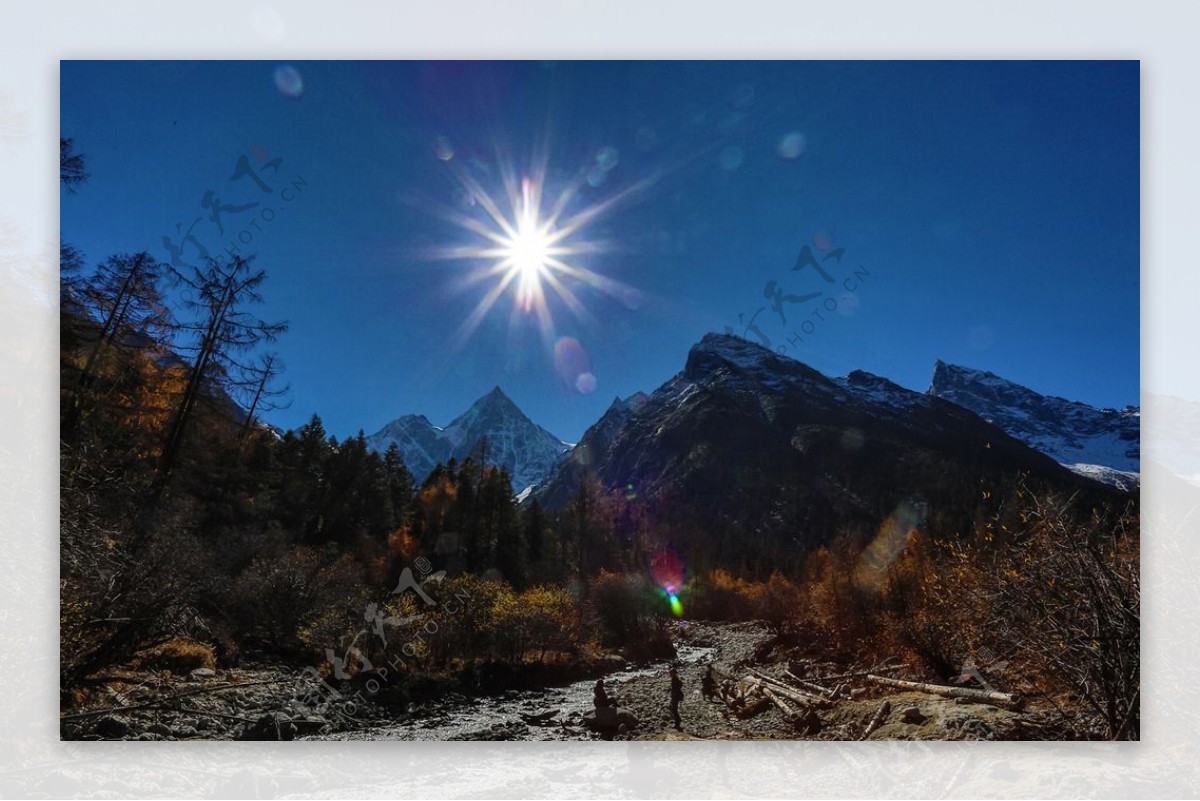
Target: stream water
pixel 464 718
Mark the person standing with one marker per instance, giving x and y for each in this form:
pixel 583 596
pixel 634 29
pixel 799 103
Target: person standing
pixel 600 695
pixel 676 698
pixel 708 685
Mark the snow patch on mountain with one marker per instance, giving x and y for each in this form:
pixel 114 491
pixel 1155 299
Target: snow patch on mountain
pixel 1106 475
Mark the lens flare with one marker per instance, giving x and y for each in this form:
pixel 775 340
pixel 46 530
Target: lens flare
pixel 288 81
pixel 443 149
pixel 895 533
pixel 676 606
pixel 585 384
pixel 666 570
pixel 791 146
pixel 731 158
pixel 574 365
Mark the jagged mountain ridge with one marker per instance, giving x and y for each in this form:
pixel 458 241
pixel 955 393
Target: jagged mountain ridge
pixel 1101 443
pixel 529 452
pixel 766 445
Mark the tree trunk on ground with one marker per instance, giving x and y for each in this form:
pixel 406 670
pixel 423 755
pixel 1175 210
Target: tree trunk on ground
pixel 791 693
pixel 885 709
pixel 1005 699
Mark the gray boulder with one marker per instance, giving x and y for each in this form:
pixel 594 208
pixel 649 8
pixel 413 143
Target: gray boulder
pixel 270 727
pixel 610 720
pixel 112 728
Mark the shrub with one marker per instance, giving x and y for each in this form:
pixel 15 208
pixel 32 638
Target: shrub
pixel 652 643
pixel 462 620
pixel 545 619
pixel 721 596
pixel 778 603
pixel 623 604
pixel 1060 598
pixel 128 581
pixel 302 597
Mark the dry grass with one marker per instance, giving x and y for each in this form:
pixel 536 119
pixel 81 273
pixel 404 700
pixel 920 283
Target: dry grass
pixel 179 655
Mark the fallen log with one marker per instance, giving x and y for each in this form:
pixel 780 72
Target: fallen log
pixel 734 694
pixel 881 714
pixel 756 707
pixel 774 682
pixel 810 686
pixel 746 707
pixel 792 693
pixel 859 674
pixel 1002 699
pixel 789 714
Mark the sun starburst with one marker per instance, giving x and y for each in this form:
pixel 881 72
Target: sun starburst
pixel 529 247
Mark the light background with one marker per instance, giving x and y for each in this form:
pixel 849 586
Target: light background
pixel 33 39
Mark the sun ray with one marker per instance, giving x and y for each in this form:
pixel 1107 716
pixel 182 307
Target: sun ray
pixel 568 297
pixel 565 197
pixel 572 225
pixel 481 309
pixel 606 285
pixel 485 200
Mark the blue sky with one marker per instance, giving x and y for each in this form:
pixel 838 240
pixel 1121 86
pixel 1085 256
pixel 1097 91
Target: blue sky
pixel 991 210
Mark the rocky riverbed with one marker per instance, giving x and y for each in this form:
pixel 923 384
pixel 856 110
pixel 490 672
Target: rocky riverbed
pixel 260 702
pixel 272 703
pixel 554 713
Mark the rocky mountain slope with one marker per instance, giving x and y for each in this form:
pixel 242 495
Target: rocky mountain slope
pixel 752 443
pixel 1100 443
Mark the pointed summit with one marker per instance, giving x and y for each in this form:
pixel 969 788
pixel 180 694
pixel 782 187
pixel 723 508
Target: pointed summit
pixel 493 407
pixel 495 399
pixel 731 354
pixel 947 376
pixel 526 450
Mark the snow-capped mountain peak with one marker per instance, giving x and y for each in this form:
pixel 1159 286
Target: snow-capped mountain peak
pixel 493 429
pixel 740 356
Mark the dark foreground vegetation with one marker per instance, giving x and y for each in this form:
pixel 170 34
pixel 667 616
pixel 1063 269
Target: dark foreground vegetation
pixel 196 537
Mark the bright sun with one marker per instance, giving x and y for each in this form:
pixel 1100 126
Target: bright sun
pixel 529 253
pixel 529 249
